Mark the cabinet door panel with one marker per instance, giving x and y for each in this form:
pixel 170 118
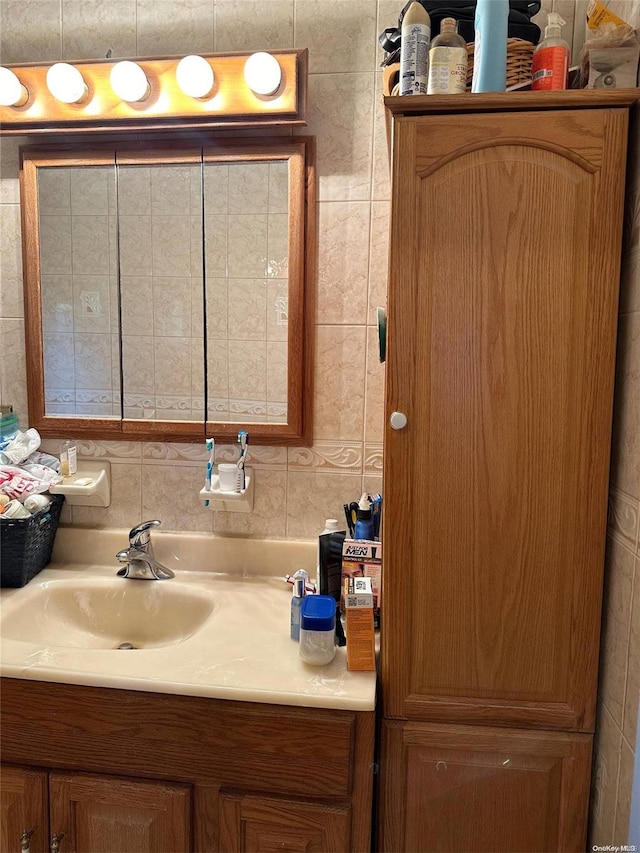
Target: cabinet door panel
pixel 251 824
pixel 111 815
pixel 466 789
pixel 23 798
pixel 501 351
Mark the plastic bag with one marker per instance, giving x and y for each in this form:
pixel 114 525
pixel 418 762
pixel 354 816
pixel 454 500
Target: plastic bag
pixel 16 483
pixel 603 51
pixel 22 445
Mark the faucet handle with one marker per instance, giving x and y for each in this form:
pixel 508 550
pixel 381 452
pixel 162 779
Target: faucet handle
pixel 141 535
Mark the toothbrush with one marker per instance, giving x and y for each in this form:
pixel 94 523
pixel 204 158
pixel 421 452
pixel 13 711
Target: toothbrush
pixel 211 445
pixel 243 438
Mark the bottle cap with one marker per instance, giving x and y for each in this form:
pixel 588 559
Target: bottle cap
pixel 554 25
pixel 318 613
pixel 331 524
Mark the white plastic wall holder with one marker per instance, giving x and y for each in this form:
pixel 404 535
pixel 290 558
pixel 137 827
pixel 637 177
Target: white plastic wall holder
pixel 230 501
pixel 89 486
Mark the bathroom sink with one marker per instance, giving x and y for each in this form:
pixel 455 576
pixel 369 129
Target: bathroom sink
pixel 108 614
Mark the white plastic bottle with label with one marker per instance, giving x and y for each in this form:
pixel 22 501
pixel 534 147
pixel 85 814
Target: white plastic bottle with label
pixel 414 50
pixel 447 61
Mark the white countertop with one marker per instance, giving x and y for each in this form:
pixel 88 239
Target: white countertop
pixel 242 651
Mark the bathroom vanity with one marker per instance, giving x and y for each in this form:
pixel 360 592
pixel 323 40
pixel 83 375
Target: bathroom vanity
pixel 218 740
pixel 126 770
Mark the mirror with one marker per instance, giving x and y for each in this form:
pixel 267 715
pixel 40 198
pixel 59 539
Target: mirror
pixel 167 290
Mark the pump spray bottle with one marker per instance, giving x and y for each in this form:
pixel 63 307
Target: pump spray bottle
pixel 550 65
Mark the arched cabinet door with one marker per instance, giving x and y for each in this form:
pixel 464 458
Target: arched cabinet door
pixel 503 290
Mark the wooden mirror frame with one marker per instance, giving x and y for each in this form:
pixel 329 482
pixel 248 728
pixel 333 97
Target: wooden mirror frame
pixel 297 431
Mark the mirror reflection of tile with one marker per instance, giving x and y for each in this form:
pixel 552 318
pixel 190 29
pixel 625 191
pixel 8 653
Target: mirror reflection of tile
pixel 145 229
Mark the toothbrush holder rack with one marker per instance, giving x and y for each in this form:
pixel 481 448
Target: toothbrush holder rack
pixel 230 501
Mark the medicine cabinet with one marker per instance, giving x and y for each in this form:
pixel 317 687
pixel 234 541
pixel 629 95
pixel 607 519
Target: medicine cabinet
pixel 168 289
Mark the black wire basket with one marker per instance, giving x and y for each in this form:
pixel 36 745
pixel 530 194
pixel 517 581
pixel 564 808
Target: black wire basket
pixel 26 543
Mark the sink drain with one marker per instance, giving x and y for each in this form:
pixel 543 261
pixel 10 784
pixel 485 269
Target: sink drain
pixel 126 646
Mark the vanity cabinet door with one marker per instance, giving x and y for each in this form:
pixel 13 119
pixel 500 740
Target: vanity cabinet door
pixel 250 824
pixel 115 815
pixel 23 806
pixel 501 348
pixel 461 788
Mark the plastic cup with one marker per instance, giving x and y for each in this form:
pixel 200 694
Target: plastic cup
pixel 228 474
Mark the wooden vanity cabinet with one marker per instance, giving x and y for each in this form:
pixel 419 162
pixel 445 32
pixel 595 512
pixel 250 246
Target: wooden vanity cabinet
pixel 95 813
pixel 24 805
pixel 268 825
pixel 506 229
pixel 456 789
pixel 128 772
pixel 112 813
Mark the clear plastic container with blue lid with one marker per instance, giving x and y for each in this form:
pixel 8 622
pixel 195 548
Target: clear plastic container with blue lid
pixel 318 629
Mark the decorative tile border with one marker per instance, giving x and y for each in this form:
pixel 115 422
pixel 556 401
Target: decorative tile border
pixel 114 451
pixel 165 451
pixel 173 404
pixel 373 459
pixel 59 395
pixel 327 456
pixel 87 396
pixel 623 522
pixel 162 453
pixel 258 456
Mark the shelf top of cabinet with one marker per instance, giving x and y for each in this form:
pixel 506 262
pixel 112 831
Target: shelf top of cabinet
pixel 401 105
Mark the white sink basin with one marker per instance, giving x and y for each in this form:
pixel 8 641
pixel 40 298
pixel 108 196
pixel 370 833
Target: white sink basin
pixel 219 629
pixel 108 613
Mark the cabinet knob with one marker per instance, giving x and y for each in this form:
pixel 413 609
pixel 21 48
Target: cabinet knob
pixel 25 838
pixel 55 842
pixel 398 420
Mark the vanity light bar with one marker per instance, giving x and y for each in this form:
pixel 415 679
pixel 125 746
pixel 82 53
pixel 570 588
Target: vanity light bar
pixel 206 91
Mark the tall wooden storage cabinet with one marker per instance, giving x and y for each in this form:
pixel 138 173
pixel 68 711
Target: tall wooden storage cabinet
pixel 503 291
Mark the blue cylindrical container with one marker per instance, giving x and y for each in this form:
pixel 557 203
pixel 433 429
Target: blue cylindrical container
pixel 490 46
pixel 364 525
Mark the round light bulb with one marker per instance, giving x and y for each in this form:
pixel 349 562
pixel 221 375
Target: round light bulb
pixel 12 92
pixel 66 83
pixel 262 73
pixel 129 81
pixel 195 76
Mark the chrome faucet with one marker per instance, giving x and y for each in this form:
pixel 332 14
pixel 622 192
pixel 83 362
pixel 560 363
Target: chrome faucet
pixel 139 556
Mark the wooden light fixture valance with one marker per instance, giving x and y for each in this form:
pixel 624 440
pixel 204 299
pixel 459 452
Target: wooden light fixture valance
pixel 231 101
